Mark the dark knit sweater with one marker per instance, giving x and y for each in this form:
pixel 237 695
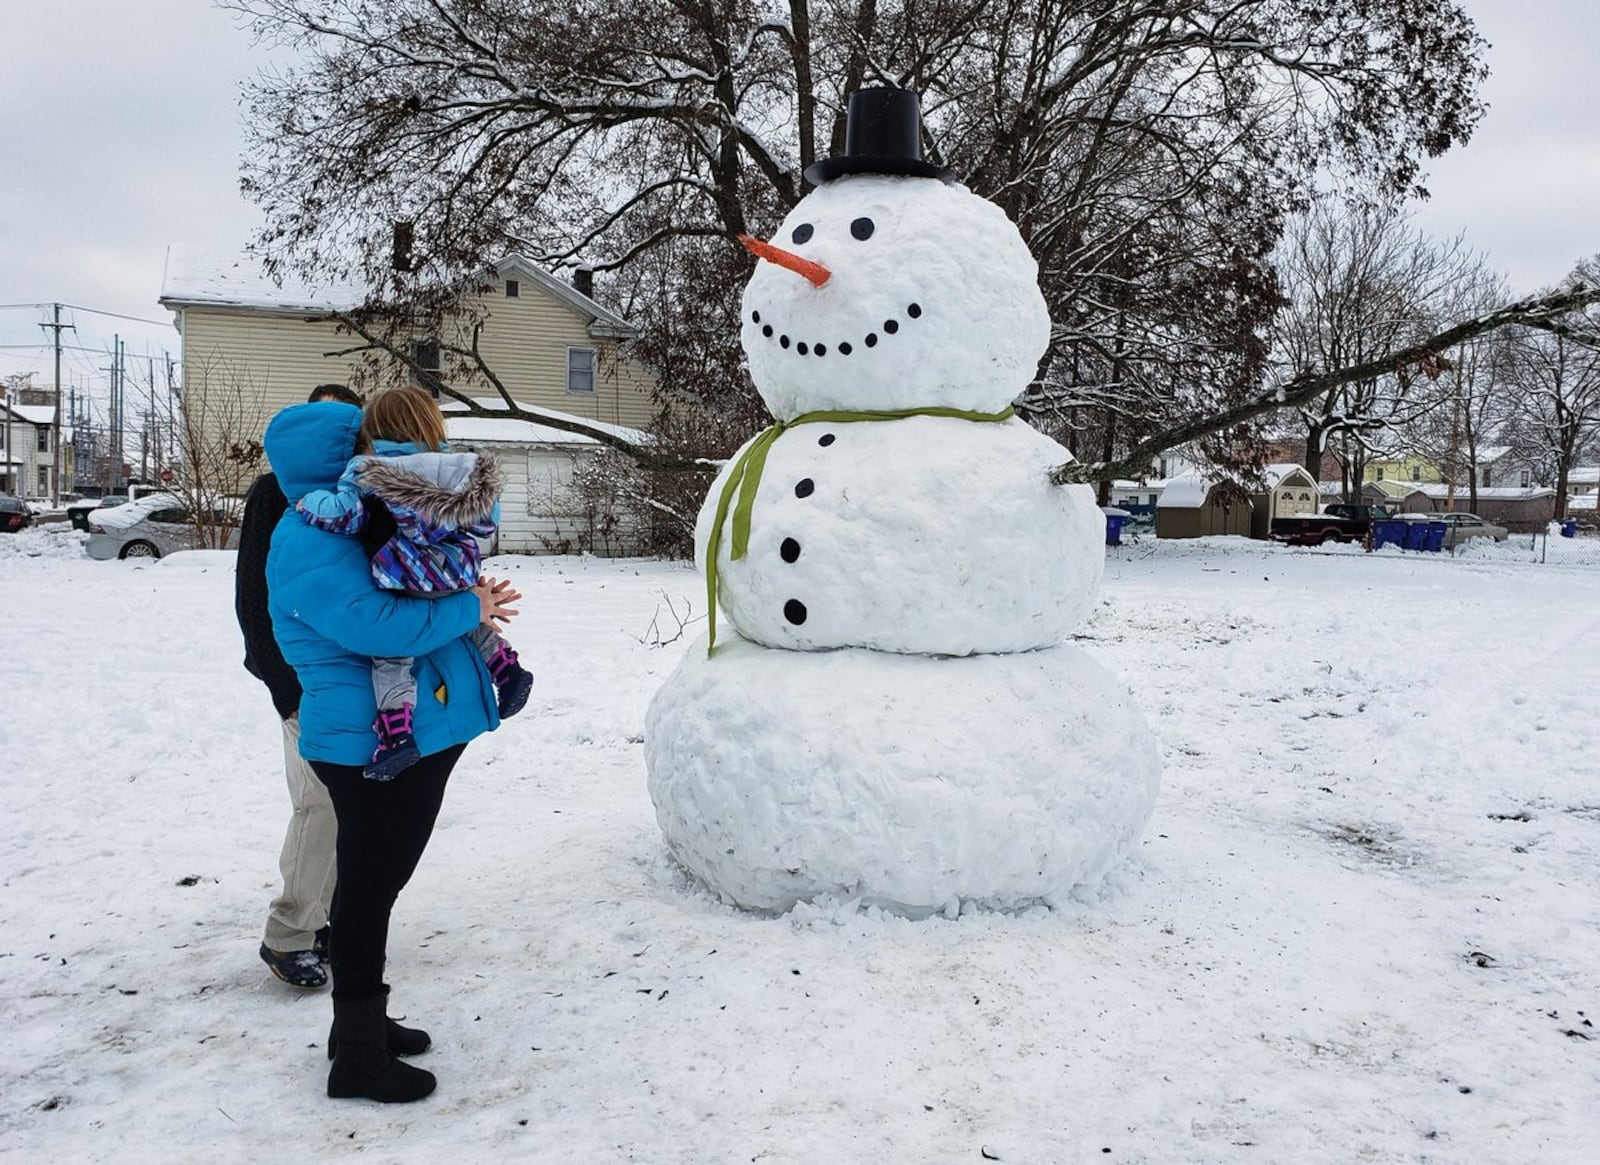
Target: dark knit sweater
pixel 263 506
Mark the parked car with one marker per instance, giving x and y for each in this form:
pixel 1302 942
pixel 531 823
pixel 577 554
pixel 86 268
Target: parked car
pixel 1339 522
pixel 14 514
pixel 1465 527
pixel 150 527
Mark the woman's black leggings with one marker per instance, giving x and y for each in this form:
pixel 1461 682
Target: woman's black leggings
pixel 383 828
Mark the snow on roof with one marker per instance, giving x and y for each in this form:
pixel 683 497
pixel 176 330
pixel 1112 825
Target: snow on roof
pixel 1187 492
pixel 194 276
pixel 1584 475
pixel 518 432
pixel 1273 475
pixel 1583 502
pixel 197 278
pixel 33 414
pixel 1437 490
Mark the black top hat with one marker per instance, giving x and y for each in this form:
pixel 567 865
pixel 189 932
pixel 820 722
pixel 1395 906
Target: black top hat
pixel 882 135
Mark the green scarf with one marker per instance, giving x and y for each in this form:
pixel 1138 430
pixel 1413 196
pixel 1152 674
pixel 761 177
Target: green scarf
pixel 746 480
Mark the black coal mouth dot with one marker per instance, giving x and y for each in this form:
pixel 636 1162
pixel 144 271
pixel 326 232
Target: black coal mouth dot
pixel 813 348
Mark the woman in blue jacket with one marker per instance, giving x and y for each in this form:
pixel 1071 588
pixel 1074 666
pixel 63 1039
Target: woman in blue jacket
pixel 330 619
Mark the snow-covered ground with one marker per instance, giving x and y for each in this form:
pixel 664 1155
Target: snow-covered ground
pixel 1365 925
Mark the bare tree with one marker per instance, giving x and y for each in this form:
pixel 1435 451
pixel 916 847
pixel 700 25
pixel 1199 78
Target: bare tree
pixel 220 449
pixel 1556 381
pixel 1148 152
pixel 1361 281
pixel 1466 412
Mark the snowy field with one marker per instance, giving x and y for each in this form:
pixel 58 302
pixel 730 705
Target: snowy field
pixel 1365 925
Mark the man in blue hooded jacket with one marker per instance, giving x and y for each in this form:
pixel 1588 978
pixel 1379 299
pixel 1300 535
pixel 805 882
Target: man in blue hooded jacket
pixel 330 619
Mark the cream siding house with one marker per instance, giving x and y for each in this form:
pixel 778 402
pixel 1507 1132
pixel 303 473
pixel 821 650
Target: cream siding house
pixel 251 348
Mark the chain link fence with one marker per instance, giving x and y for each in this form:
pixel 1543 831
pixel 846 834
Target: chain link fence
pixel 1563 544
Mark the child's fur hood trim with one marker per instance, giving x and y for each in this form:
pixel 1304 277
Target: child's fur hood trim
pixel 444 489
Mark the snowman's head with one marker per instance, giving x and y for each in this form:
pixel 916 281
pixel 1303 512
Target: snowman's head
pixel 882 293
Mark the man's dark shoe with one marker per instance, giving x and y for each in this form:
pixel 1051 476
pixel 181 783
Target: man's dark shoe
pixel 319 943
pixel 296 968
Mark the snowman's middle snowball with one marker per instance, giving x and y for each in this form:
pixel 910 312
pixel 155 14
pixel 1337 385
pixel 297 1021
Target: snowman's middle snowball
pixel 923 535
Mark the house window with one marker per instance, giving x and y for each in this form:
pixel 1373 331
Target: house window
pixel 1527 478
pixel 513 289
pixel 425 356
pixel 1380 473
pixel 43 438
pixel 1166 467
pixel 580 369
pixel 44 480
pixel 1488 477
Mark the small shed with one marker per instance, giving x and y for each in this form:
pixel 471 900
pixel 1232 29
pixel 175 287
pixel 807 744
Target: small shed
pixel 551 502
pixel 1192 506
pixel 1287 491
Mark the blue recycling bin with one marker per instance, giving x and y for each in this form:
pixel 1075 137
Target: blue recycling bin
pixel 1388 532
pixel 1569 528
pixel 1416 535
pixel 1433 535
pixel 1114 524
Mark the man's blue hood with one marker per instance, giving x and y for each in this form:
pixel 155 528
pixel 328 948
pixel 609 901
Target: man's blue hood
pixel 309 445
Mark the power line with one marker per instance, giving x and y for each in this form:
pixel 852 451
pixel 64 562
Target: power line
pixel 50 347
pixel 79 307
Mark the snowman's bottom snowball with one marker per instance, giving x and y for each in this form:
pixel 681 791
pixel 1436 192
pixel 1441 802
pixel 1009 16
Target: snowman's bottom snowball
pixel 909 781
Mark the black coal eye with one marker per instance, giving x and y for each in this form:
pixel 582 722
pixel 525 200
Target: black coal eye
pixel 862 228
pixel 801 232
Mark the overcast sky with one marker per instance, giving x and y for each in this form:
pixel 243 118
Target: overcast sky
pixel 120 126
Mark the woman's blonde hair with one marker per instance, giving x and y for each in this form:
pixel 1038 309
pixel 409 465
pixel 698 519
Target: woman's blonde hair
pixel 403 413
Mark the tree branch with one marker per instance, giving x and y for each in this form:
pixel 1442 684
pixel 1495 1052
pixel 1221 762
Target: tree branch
pixel 1537 312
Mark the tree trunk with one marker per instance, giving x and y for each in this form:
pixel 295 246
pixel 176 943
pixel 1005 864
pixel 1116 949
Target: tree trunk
pixel 1313 458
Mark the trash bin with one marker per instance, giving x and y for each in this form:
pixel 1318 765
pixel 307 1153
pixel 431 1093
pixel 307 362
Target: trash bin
pixel 1387 532
pixel 1433 535
pixel 1569 528
pixel 1416 535
pixel 1114 524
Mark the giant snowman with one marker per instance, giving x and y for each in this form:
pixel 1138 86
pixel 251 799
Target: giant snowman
pixel 889 711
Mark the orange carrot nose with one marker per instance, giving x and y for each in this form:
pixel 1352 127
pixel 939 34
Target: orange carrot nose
pixel 816 272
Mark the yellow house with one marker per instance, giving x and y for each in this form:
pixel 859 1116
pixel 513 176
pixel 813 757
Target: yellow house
pixel 1407 470
pixel 251 348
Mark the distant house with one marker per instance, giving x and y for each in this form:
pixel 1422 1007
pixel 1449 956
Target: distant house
pixel 1403 468
pixel 28 450
pixel 250 348
pixel 1193 506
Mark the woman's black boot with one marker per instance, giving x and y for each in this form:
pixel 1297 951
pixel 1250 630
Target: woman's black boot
pixel 403 1041
pixel 363 1065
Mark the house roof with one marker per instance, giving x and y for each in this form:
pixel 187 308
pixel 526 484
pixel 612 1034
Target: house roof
pixel 194 278
pixel 498 430
pixel 1187 492
pixel 33 414
pixel 1274 475
pixel 1584 475
pixel 1436 491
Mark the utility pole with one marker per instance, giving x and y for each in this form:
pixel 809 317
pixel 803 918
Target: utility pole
pixel 55 436
pixel 11 474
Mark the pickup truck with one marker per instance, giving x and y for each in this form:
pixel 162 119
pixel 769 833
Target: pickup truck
pixel 1340 522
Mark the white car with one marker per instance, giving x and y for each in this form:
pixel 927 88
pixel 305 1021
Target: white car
pixel 150 527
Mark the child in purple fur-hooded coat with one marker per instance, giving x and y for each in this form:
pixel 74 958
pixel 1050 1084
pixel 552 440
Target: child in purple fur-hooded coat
pixel 442 503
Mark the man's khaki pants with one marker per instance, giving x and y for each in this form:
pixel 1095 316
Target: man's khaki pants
pixel 307 861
